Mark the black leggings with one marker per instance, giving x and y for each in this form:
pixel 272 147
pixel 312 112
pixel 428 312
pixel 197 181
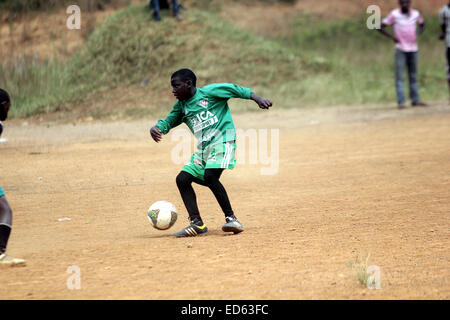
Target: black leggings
pixel 212 176
pixel 448 64
pixel 5 223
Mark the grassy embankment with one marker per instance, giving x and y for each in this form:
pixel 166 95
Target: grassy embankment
pixel 318 63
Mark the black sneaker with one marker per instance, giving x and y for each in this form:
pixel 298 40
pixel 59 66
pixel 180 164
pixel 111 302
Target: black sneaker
pixel 196 228
pixel 232 225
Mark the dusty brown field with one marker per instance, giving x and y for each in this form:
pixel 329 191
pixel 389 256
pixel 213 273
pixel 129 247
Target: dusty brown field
pixel 351 181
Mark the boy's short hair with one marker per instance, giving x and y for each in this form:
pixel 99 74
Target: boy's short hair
pixel 4 96
pixel 185 74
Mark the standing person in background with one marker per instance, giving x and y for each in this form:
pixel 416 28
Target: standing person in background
pixel 155 5
pixel 404 21
pixel 444 20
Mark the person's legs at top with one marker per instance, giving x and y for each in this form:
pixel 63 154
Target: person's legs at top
pixel 400 65
pixel 176 10
pixel 154 4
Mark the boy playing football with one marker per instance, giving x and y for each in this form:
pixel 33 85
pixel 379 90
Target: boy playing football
pixel 205 111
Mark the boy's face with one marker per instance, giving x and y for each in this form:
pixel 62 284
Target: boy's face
pixel 4 108
pixel 181 89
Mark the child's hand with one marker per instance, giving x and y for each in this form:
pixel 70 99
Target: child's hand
pixel 262 103
pixel 156 133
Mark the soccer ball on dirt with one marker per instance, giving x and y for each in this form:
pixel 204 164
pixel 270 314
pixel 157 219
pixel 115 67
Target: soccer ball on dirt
pixel 162 215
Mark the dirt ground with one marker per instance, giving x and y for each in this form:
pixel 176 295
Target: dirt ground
pixel 351 182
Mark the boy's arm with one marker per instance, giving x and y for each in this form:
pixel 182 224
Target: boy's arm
pixel 262 102
pixel 163 126
pixel 229 90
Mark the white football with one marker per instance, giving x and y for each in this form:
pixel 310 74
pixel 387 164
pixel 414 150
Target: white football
pixel 162 215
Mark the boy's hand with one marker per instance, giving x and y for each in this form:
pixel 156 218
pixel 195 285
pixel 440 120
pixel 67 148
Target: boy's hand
pixel 262 103
pixel 156 133
pixel 442 36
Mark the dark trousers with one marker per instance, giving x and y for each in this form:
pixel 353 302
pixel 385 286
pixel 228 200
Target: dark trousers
pixel 155 5
pixel 403 61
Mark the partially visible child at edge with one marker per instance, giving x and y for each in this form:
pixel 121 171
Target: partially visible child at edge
pixel 5 209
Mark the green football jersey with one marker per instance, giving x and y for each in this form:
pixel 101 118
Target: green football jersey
pixel 207 113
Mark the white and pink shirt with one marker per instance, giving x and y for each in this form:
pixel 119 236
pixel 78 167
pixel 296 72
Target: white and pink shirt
pixel 405 28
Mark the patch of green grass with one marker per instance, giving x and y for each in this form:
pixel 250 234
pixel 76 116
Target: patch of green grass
pixel 35 86
pixel 361 272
